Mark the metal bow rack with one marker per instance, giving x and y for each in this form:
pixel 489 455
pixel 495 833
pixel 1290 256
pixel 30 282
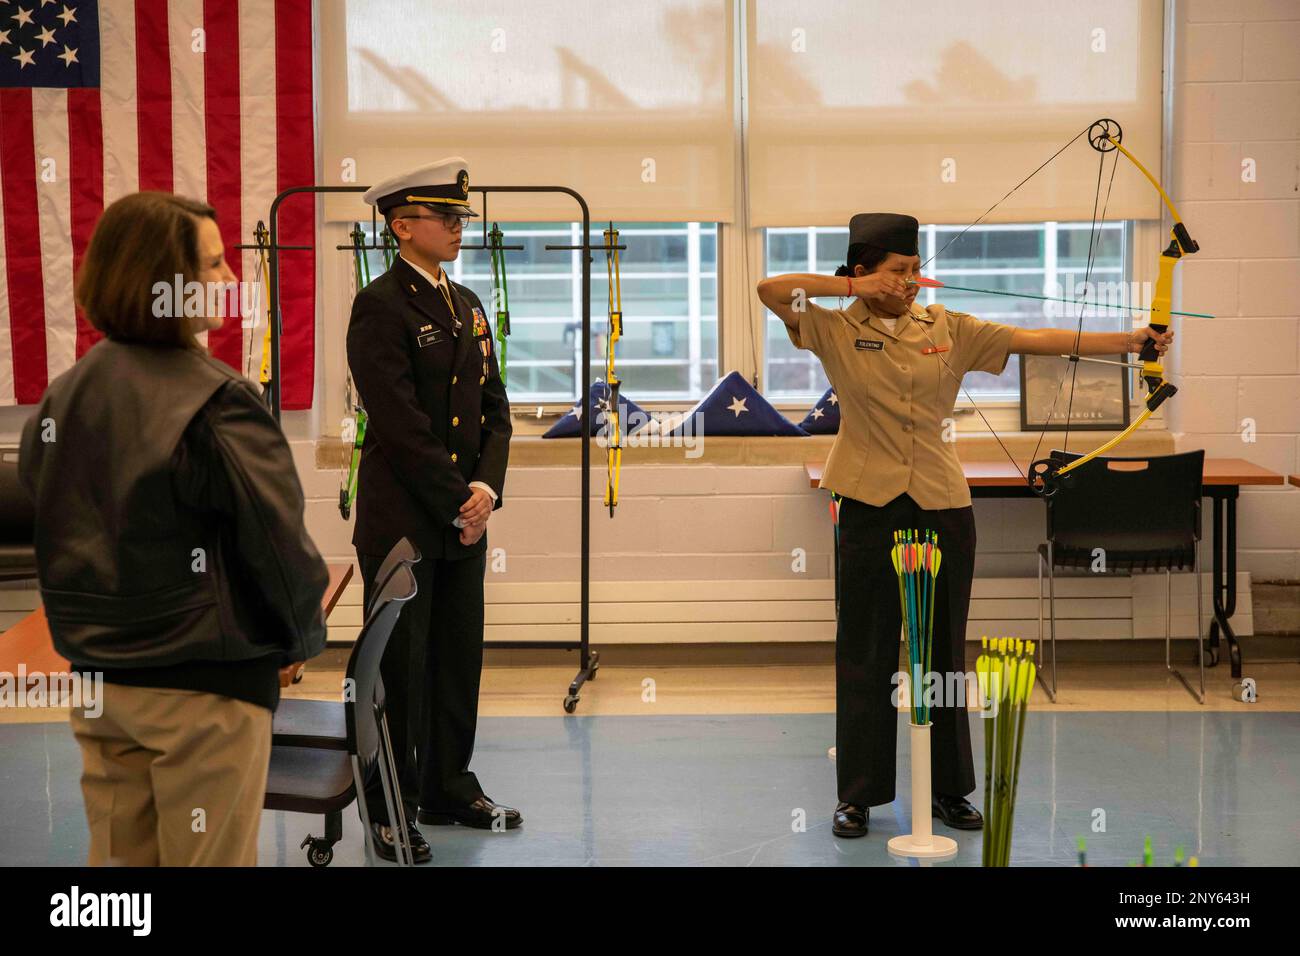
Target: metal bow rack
pixel 587 658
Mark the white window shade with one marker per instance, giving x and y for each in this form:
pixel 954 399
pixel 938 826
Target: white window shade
pixel 865 106
pixel 631 104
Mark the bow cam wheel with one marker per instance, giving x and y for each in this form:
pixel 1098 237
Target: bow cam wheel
pixel 1042 477
pixel 1102 132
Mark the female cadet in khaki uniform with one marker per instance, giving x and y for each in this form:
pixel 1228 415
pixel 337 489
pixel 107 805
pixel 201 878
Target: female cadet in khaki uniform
pixel 886 357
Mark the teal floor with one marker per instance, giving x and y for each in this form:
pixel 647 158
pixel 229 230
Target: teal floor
pixel 729 791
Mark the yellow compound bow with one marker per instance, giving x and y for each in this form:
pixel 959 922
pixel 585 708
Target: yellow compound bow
pixel 614 448
pixel 1046 474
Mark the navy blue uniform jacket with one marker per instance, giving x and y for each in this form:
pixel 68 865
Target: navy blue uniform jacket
pixel 437 418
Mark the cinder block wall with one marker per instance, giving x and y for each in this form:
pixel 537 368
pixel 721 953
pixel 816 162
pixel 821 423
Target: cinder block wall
pixel 1237 112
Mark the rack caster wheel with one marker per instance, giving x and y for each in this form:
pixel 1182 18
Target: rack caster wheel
pixel 570 703
pixel 319 852
pixel 591 675
pixel 1210 655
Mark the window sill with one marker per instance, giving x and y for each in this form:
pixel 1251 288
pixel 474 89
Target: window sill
pixel 533 451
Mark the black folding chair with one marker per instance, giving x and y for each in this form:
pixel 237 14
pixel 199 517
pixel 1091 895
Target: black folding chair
pixel 402 553
pixel 1145 515
pixel 314 775
pixel 321 723
pixel 17 523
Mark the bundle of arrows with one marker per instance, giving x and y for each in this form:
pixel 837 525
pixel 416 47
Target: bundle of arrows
pixel 916 559
pixel 1005 671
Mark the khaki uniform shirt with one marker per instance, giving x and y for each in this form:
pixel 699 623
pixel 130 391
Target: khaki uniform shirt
pixel 894 397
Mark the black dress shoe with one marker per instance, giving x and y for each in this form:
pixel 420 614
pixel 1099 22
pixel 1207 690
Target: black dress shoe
pixel 956 812
pixel 387 849
pixel 482 814
pixel 850 820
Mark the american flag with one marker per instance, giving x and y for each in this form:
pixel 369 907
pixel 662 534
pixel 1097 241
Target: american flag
pixel 206 98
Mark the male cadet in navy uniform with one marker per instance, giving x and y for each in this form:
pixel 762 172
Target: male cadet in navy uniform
pixel 433 468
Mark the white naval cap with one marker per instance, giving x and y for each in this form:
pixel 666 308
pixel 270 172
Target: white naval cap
pixel 441 185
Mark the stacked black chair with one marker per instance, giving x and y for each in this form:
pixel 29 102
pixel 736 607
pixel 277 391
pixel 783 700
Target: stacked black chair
pixel 17 523
pixel 321 723
pixel 1145 515
pixel 322 752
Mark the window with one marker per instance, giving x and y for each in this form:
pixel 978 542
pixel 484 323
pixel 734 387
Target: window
pixel 1048 259
pixel 669 348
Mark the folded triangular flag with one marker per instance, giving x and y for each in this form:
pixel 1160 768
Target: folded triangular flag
pixel 734 407
pixel 631 416
pixel 824 417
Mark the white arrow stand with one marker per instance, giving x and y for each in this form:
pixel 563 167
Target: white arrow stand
pixel 921 842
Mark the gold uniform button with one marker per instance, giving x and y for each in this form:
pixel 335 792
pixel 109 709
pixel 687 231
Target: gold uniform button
pixel 482 419
pixel 453 380
pixel 453 456
pixel 455 421
pixel 481 379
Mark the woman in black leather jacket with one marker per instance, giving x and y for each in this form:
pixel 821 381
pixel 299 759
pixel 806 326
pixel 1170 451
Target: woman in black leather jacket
pixel 171 549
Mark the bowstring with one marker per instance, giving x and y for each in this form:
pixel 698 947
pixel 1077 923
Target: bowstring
pixel 967 229
pixel 1094 243
pixel 960 383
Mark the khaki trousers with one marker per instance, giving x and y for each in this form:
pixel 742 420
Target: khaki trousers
pixel 173 777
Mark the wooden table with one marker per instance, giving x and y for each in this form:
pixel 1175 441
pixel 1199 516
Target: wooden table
pixel 29 643
pixel 1233 472
pixel 1221 482
pixel 340 575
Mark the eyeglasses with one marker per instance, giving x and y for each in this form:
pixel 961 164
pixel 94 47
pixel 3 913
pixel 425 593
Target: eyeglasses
pixel 448 219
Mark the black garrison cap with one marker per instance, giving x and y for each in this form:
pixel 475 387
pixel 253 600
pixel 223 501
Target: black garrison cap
pixel 885 230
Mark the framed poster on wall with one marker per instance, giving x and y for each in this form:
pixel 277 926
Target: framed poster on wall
pixel 1101 394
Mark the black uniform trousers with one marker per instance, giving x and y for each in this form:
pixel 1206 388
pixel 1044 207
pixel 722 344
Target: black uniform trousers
pixel 431 670
pixel 867 648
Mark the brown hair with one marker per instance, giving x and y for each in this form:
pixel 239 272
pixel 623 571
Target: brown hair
pixel 142 239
